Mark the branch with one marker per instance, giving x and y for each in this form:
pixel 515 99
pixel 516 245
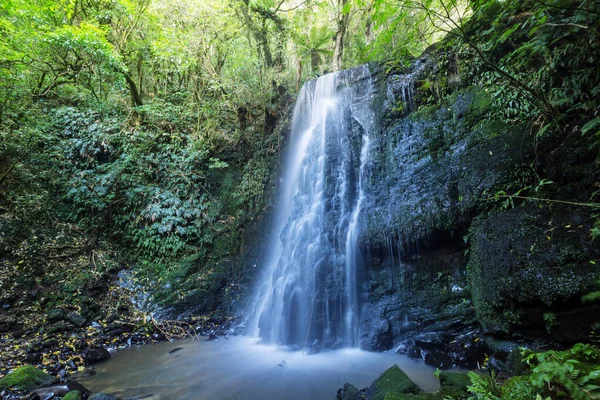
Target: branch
pixel 496 197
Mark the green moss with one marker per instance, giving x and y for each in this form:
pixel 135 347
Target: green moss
pixel 518 388
pixel 520 269
pixel 392 380
pixel 457 380
pixel 424 113
pixel 26 377
pixel 73 395
pixel 351 393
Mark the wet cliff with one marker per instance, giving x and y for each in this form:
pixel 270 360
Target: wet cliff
pixel 456 268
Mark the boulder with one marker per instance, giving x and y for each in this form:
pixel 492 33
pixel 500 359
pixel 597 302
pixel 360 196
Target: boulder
pixel 528 270
pixel 392 380
pixel 56 314
pixel 77 319
pixel 468 350
pixel 74 395
pixel 451 379
pixel 33 357
pixel 432 340
pixel 349 392
pixel 94 355
pixel 26 377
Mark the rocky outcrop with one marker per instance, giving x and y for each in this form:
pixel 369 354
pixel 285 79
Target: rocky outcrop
pixel 528 269
pixel 449 266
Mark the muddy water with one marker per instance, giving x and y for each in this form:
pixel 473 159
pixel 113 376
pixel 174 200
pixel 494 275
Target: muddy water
pixel 239 368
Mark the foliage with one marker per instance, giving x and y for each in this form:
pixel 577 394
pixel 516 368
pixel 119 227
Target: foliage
pixel 525 55
pixel 483 387
pixel 573 371
pixel 518 388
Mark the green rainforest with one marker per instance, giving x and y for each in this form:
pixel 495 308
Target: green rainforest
pixel 300 199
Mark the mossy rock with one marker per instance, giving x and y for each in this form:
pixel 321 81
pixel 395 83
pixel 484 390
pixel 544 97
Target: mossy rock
pixel 518 388
pixel 458 380
pixel 351 393
pixel 392 380
pixel 26 377
pixel 73 395
pixel 531 261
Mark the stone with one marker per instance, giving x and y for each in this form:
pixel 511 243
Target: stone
pixel 7 323
pixel 498 362
pixel 33 357
pixel 377 332
pixel 528 270
pixel 77 319
pixel 451 379
pixel 432 340
pixel 56 314
pixel 94 355
pixel 74 395
pixel 56 328
pixel 349 392
pixel 409 348
pixel 76 386
pixel 394 379
pixel 468 350
pixel 26 377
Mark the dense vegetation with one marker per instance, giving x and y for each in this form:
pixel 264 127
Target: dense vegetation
pixel 151 130
pixel 146 134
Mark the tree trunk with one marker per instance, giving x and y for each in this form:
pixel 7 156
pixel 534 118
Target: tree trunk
pixel 298 73
pixel 136 98
pixel 338 50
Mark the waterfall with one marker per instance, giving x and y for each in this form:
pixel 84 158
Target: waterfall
pixel 309 291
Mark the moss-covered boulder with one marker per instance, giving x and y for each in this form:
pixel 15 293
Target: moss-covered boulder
pixel 529 268
pixel 458 380
pixel 518 388
pixel 350 392
pixel 73 395
pixel 26 377
pixel 392 380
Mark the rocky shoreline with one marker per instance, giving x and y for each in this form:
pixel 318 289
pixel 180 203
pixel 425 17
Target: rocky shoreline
pixel 57 352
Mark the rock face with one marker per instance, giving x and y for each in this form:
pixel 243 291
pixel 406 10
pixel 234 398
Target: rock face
pixel 528 269
pixel 447 266
pixel 450 269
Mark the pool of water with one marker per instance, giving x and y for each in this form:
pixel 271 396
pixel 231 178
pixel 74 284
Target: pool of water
pixel 240 368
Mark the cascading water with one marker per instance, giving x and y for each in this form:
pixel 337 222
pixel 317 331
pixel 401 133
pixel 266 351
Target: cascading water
pixel 309 292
